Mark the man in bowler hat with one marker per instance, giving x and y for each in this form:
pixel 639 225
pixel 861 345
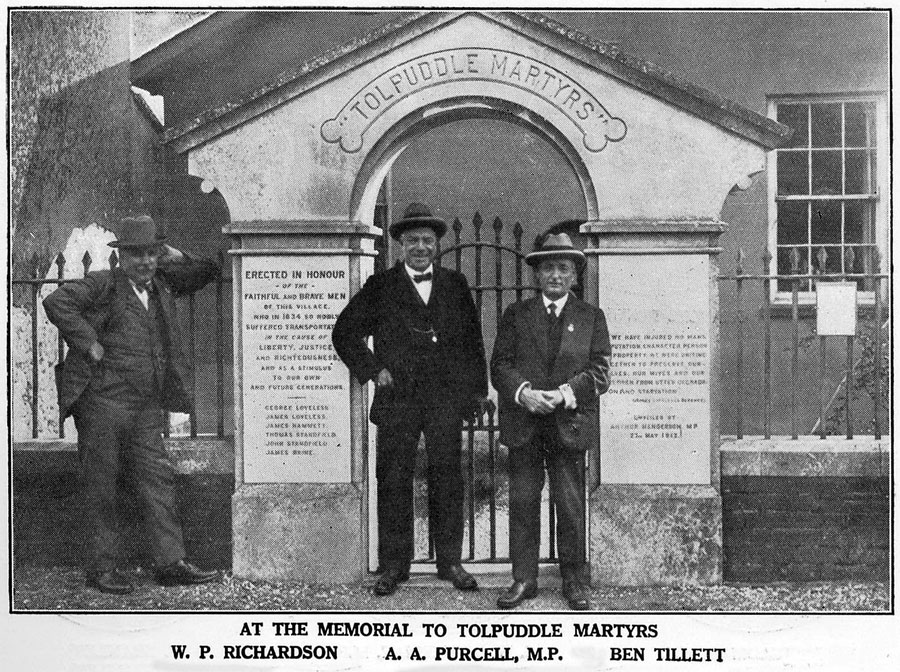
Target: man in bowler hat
pixel 125 367
pixel 429 370
pixel 549 365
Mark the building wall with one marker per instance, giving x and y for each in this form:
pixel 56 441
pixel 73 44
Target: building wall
pixel 70 121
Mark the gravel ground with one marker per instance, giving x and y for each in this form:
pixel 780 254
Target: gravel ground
pixel 62 589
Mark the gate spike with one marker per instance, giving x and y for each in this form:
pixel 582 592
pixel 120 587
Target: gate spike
pixel 849 259
pixel 498 226
pixel 113 259
pixel 86 262
pixel 795 261
pixel 739 267
pixel 766 259
pixel 476 222
pixel 457 228
pixel 876 259
pixel 822 259
pixel 60 265
pixel 517 234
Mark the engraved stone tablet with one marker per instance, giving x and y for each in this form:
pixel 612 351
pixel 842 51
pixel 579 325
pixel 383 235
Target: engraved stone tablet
pixel 655 418
pixel 296 408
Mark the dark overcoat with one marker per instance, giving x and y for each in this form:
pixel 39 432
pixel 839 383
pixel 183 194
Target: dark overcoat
pixel 520 355
pixel 386 308
pixel 91 309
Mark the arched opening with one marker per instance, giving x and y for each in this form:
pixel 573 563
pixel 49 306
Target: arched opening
pixel 406 131
pixel 500 176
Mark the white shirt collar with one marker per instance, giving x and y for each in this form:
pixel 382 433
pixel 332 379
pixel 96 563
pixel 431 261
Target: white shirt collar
pixel 141 293
pixel 412 272
pixel 560 303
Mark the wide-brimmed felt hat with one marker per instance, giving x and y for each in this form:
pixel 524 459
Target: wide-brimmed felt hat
pixel 137 231
pixel 556 246
pixel 416 215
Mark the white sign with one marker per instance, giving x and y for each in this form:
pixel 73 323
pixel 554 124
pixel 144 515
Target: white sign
pixel 836 308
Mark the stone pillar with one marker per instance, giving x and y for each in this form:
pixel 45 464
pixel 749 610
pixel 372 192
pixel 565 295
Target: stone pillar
pixel 655 508
pixel 299 509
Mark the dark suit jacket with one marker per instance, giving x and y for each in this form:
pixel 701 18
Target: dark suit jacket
pixel 520 355
pixel 92 309
pixel 384 309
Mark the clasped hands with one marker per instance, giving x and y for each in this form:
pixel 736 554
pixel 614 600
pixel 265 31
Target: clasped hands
pixel 540 402
pixel 481 406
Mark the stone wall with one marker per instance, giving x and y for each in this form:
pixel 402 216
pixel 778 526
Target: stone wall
pixel 788 527
pixel 48 514
pixel 795 528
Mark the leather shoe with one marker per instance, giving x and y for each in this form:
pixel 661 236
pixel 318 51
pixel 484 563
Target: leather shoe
pixel 109 581
pixel 516 593
pixel 183 573
pixel 461 579
pixel 577 595
pixel 387 583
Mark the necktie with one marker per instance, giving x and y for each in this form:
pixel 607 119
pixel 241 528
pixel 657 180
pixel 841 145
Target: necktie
pixel 422 277
pixel 551 310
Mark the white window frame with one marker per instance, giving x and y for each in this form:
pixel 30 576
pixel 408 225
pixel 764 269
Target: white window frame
pixel 881 204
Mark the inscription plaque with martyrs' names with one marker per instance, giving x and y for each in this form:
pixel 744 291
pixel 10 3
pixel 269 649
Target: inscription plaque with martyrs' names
pixel 296 404
pixel 655 418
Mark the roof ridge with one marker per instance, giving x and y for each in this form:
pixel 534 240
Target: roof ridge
pixel 634 71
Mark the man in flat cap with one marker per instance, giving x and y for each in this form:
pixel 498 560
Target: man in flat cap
pixel 429 370
pixel 125 367
pixel 549 365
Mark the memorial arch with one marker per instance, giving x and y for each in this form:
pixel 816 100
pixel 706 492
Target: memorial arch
pixel 300 163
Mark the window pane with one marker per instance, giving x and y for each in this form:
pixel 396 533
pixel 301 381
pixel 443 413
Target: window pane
pixel 792 222
pixel 858 124
pixel 826 222
pixel 795 116
pixel 858 222
pixel 826 124
pixel 864 262
pixel 856 165
pixel 784 268
pixel 826 170
pixel 793 173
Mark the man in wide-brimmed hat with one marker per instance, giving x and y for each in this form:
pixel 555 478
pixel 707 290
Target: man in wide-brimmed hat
pixel 125 367
pixel 429 370
pixel 549 365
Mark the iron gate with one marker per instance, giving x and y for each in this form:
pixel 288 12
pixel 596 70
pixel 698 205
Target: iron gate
pixel 494 264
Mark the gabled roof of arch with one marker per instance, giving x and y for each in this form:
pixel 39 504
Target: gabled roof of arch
pixel 605 57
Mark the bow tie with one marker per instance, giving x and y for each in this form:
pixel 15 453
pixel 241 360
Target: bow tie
pixel 422 277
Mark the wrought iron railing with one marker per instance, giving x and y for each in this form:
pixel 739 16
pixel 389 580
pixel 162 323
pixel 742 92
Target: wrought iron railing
pixel 860 372
pixel 30 290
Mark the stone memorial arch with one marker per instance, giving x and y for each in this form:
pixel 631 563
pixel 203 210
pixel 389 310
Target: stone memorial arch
pixel 300 164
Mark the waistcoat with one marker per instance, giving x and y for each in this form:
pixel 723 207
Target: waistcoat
pixel 136 341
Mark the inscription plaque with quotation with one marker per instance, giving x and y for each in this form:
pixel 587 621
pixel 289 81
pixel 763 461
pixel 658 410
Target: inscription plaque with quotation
pixel 655 418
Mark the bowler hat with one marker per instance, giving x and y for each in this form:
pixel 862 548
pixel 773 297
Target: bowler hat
pixel 556 246
pixel 137 231
pixel 416 215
